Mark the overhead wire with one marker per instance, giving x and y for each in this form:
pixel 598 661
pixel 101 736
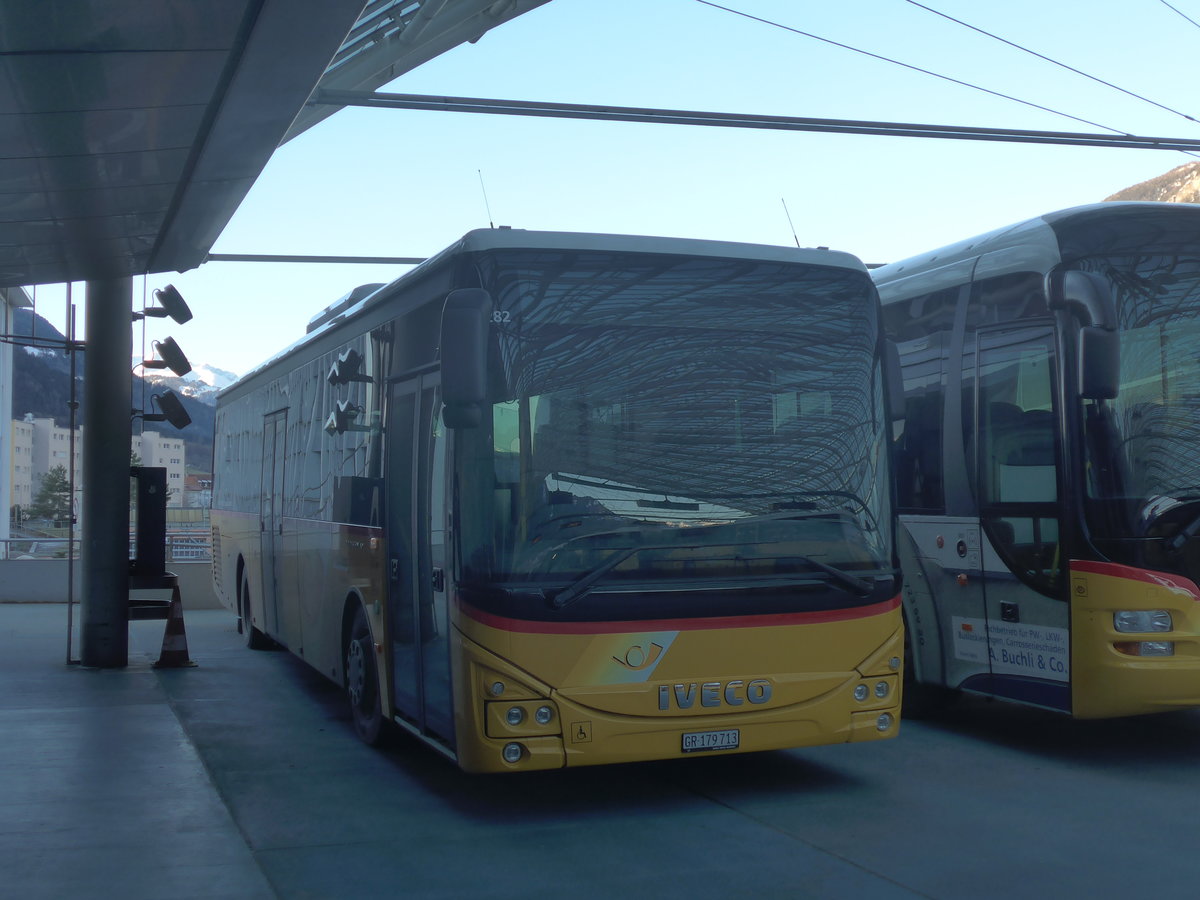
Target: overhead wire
pixel 1175 10
pixel 1053 61
pixel 912 67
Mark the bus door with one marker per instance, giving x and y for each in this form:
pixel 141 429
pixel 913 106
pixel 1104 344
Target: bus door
pixel 416 537
pixel 1018 489
pixel 271 518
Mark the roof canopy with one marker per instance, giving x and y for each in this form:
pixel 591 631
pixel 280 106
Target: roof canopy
pixel 131 130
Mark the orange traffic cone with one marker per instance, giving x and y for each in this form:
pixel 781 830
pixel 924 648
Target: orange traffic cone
pixel 174 648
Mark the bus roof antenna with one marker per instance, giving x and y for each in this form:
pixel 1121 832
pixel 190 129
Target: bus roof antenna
pixel 486 205
pixel 789 218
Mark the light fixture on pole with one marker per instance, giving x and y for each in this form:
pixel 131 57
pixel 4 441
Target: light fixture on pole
pixel 170 304
pixel 170 357
pixel 172 413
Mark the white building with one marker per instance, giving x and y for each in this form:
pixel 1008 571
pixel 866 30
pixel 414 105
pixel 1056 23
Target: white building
pixel 34 446
pixel 20 467
pixel 154 449
pixel 53 447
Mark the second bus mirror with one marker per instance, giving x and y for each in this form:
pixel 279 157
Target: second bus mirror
pixel 893 377
pixel 1099 363
pixel 466 324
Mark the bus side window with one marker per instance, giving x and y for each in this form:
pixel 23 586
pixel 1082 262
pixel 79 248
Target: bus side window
pixel 921 328
pixel 919 454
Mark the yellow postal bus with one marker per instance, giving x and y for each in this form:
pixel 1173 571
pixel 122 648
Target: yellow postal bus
pixel 558 499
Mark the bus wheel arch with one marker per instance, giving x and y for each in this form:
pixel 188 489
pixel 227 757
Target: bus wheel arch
pixel 360 673
pixel 252 637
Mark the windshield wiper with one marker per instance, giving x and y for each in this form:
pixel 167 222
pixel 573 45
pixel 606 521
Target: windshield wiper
pixel 583 585
pixel 1184 534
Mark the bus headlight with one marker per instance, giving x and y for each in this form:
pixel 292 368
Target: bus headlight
pixel 881 689
pixel 543 714
pixel 1141 621
pixel 515 715
pixel 861 692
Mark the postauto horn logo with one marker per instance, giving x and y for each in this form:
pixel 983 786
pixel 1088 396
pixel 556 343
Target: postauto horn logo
pixel 714 693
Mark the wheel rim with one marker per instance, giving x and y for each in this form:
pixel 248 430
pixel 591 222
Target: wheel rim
pixel 356 672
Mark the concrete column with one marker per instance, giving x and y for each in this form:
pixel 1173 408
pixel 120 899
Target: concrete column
pixel 107 385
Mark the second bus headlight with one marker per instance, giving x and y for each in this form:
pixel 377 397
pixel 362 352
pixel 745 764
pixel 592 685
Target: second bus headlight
pixel 1142 621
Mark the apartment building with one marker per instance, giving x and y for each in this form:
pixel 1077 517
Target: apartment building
pixel 37 445
pixel 155 449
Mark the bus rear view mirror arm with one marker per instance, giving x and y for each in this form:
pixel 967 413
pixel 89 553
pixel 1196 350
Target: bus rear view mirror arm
pixel 1088 297
pixel 466 323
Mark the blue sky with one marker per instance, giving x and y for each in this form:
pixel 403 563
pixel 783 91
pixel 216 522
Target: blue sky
pixel 407 183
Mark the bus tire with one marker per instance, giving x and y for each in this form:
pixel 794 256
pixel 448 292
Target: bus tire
pixel 362 680
pixel 251 636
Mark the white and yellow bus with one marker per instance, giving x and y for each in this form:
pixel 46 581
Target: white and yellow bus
pixel 559 499
pixel 1048 476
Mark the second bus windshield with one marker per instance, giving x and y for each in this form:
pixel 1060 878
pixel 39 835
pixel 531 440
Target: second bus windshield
pixel 1144 446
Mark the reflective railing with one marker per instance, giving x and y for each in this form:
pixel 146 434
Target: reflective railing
pixel 182 546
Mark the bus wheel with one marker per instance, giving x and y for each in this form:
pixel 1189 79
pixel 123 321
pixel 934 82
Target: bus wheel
pixel 251 636
pixel 362 681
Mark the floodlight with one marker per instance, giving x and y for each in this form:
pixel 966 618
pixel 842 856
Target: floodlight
pixel 171 357
pixel 171 304
pixel 172 413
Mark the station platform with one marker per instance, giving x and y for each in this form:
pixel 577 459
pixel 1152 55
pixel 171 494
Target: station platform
pixel 102 794
pixel 242 778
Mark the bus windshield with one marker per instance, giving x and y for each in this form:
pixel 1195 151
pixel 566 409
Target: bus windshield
pixel 1143 447
pixel 670 420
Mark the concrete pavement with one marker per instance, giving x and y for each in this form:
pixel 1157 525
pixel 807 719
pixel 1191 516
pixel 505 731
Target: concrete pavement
pixel 241 778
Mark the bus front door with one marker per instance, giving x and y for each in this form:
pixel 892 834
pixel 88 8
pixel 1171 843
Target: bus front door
pixel 417 604
pixel 1018 489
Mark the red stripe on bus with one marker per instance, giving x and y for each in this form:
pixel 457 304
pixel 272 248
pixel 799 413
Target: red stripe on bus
pixel 1131 573
pixel 504 623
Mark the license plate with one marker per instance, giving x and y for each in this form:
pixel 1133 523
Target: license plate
pixel 694 741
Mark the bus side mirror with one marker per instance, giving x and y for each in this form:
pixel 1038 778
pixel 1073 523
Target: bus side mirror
pixel 1088 297
pixel 1099 363
pixel 466 320
pixel 893 376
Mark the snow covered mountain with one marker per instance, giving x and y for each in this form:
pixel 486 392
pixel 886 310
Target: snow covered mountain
pixel 203 383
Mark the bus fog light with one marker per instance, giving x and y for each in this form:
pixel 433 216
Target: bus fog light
pixel 860 692
pixel 1142 621
pixel 514 716
pixel 512 753
pixel 543 715
pixel 884 722
pixel 1145 648
pixel 881 689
